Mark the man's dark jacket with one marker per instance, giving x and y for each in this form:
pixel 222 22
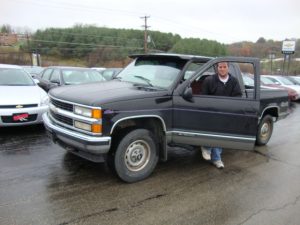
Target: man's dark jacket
pixel 212 85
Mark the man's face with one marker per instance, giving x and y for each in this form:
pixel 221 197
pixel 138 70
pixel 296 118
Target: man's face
pixel 223 69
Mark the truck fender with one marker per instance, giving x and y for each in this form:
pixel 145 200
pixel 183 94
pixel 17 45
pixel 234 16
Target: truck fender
pixel 163 152
pixel 273 111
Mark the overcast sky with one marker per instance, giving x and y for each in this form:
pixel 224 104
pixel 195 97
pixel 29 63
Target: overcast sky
pixel 224 21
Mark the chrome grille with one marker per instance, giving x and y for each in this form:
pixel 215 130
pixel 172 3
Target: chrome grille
pixel 62 118
pixel 62 105
pixel 63 114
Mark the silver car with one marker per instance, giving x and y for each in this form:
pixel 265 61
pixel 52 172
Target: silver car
pixel 22 101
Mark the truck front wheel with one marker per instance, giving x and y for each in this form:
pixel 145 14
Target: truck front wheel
pixel 265 130
pixel 136 155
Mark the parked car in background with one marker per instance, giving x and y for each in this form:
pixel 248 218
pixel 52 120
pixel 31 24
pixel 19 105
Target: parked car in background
pixel 22 101
pixel 34 71
pixel 249 81
pixel 58 75
pixel 293 79
pixel 296 78
pixel 99 69
pixel 292 94
pixel 110 73
pixel 283 81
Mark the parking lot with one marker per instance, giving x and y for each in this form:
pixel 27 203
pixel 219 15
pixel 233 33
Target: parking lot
pixel 42 184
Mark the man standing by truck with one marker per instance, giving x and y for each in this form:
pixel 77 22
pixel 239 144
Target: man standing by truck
pixel 220 84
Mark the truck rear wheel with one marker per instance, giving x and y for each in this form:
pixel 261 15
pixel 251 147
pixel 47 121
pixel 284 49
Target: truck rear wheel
pixel 265 130
pixel 136 156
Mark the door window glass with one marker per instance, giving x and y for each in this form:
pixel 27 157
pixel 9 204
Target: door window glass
pixel 55 76
pixel 46 74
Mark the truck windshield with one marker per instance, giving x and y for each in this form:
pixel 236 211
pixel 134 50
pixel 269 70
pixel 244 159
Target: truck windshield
pixel 154 72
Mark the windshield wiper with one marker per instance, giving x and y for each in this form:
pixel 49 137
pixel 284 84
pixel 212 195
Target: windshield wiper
pixel 145 79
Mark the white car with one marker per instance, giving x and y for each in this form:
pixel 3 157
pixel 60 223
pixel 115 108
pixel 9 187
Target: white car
pixel 22 101
pixel 284 82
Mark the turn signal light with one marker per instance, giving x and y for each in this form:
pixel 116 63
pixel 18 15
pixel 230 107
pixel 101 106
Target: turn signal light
pixel 97 128
pixel 96 113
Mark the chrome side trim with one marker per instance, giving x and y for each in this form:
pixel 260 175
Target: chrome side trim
pixel 193 134
pixel 213 140
pixel 138 117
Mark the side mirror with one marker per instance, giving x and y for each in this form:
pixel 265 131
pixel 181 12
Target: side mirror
pixel 55 81
pixel 188 94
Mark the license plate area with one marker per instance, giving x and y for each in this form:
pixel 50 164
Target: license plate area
pixel 20 117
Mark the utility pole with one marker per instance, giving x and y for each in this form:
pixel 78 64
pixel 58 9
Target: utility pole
pixel 271 57
pixel 145 33
pixel 30 53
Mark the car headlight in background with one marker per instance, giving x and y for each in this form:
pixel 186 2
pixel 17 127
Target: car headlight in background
pixel 45 100
pixel 87 112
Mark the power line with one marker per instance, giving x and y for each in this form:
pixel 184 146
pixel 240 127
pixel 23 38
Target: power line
pixel 71 6
pixel 23 37
pixel 192 28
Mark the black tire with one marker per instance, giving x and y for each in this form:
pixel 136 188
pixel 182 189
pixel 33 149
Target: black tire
pixel 265 130
pixel 136 156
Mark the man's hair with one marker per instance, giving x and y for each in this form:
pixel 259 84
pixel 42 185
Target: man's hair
pixel 223 62
pixel 215 66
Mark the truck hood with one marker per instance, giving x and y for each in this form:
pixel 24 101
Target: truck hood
pixel 99 93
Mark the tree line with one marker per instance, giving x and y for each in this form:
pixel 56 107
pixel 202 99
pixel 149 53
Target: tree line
pixel 97 45
pixel 262 48
pixel 86 41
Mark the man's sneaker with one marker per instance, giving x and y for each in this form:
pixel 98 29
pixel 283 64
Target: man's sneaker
pixel 206 154
pixel 219 164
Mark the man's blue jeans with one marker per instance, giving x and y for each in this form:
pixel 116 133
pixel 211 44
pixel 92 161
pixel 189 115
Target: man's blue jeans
pixel 215 153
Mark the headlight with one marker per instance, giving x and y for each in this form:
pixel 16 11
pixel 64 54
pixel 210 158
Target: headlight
pixel 83 126
pixel 95 128
pixel 45 100
pixel 87 112
pixel 83 111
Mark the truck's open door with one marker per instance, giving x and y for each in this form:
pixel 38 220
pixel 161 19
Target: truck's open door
pixel 218 121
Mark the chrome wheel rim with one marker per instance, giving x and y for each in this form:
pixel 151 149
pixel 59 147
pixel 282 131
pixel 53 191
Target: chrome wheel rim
pixel 265 131
pixel 137 155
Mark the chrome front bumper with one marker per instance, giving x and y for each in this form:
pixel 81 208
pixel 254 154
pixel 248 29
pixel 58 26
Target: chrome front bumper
pixel 72 139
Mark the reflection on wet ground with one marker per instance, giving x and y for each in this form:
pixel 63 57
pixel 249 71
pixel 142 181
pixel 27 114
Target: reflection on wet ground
pixel 42 184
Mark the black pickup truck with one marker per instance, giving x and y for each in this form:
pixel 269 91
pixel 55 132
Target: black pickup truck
pixel 156 101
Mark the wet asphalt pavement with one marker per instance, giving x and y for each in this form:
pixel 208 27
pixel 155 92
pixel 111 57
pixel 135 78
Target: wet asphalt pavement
pixel 42 184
